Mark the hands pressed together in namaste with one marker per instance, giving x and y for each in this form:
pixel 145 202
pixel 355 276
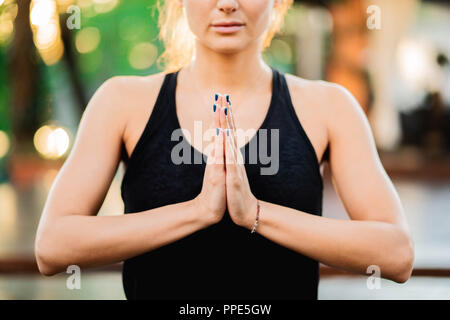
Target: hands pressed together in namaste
pixel 225 183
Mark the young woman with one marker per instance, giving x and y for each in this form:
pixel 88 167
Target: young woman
pixel 187 228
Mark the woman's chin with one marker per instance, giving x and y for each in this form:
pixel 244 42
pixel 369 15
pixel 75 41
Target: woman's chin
pixel 227 47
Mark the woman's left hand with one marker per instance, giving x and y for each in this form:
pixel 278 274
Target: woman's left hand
pixel 241 202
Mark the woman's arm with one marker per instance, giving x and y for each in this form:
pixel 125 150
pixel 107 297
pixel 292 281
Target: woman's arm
pixel 378 232
pixel 350 245
pixel 69 231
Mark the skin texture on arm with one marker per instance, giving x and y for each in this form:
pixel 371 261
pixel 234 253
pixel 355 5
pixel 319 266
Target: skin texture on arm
pixel 69 231
pixel 377 233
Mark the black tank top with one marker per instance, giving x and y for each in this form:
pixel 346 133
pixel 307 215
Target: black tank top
pixel 223 260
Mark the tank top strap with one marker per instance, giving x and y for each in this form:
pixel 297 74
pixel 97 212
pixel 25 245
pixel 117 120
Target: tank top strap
pixel 288 114
pixel 160 111
pixel 279 110
pixel 165 97
pixel 283 95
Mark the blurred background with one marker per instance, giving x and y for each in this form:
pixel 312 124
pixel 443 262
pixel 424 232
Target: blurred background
pixel 392 55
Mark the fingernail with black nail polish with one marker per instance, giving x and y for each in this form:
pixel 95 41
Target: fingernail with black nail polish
pixel 225 110
pixel 216 97
pixel 228 132
pixel 228 98
pixel 214 107
pixel 217 131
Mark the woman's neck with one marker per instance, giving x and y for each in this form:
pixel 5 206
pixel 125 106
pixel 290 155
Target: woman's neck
pixel 228 72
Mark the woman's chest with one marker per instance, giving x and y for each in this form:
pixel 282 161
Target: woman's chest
pixel 280 170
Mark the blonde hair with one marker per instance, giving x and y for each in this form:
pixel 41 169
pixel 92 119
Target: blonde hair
pixel 179 40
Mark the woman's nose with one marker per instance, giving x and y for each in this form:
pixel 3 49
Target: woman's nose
pixel 228 5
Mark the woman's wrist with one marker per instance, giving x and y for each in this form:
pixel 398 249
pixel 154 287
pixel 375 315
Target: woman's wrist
pixel 250 216
pixel 200 214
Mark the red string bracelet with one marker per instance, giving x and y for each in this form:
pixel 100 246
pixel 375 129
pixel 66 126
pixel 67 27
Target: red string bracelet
pixel 257 217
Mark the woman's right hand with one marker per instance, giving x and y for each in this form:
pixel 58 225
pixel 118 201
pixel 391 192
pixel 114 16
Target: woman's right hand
pixel 212 201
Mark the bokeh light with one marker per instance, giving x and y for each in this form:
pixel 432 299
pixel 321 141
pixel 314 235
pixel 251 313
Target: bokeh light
pixel 281 51
pixel 103 6
pixel 143 55
pixel 46 30
pixel 46 35
pixel 6 29
pixel 87 40
pixel 415 62
pixel 51 141
pixel 42 12
pixel 4 144
pixel 7 16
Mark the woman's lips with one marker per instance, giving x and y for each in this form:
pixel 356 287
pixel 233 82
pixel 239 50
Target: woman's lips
pixel 227 29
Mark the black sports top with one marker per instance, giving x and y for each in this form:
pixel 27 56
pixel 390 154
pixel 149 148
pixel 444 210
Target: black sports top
pixel 223 260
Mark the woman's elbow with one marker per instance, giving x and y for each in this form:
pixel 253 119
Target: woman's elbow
pixel 404 259
pixel 45 259
pixel 45 269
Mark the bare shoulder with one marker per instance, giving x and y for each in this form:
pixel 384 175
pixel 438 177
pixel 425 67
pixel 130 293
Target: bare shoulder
pixel 332 103
pixel 327 97
pixel 124 92
pixel 127 99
